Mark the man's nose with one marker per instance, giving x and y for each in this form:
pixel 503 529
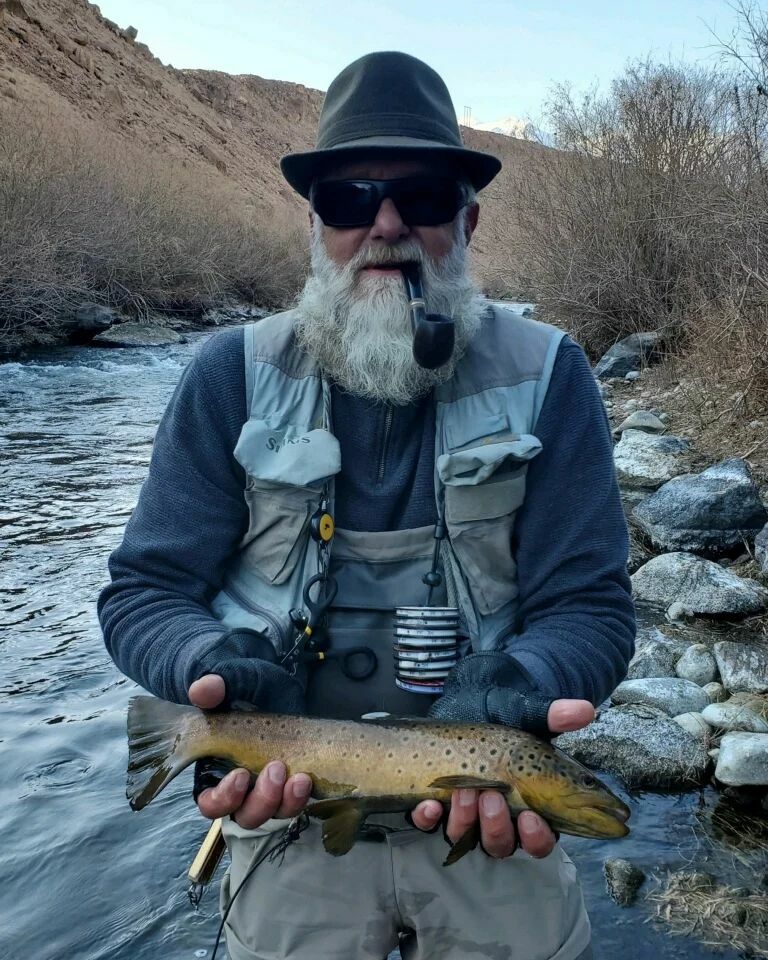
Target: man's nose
pixel 389 225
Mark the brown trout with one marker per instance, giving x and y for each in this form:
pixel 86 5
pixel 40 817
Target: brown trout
pixel 365 768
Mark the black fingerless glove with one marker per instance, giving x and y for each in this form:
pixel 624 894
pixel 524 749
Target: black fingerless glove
pixel 493 688
pixel 247 662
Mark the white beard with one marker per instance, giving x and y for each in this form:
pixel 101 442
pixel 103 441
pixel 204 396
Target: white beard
pixel 358 328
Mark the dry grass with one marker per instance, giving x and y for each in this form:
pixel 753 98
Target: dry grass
pixel 87 220
pixel 717 915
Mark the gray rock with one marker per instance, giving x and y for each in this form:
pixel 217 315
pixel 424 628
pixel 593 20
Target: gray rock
pixel 696 725
pixel 137 335
pixel 761 549
pixel 710 512
pixel 677 612
pixel 715 692
pixel 697 665
pixel 632 375
pixel 743 666
pixel 743 759
pixel 642 420
pixel 646 460
pixel 656 655
pixel 714 753
pixel 701 586
pixel 628 354
pixel 622 880
pixel 742 712
pixel 668 694
pixel 89 319
pixel 641 745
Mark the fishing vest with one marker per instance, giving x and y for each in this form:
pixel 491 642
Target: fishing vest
pixel 485 419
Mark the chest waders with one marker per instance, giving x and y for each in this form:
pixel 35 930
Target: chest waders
pixel 485 418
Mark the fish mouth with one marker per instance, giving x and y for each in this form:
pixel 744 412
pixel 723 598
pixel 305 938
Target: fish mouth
pixel 597 819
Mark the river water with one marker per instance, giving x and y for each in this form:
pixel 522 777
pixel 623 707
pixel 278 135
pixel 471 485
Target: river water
pixel 84 878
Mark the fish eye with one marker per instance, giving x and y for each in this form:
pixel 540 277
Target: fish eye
pixel 587 780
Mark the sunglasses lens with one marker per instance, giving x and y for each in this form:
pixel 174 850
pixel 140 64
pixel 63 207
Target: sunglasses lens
pixel 346 203
pixel 427 201
pixel 420 201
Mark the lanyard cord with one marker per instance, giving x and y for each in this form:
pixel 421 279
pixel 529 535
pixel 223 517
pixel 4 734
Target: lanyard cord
pixel 291 833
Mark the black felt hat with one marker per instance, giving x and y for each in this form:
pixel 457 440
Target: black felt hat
pixel 387 103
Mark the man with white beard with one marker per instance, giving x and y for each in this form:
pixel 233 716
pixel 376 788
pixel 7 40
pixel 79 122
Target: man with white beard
pixel 501 453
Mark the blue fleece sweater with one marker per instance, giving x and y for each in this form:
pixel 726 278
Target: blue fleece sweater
pixel 575 624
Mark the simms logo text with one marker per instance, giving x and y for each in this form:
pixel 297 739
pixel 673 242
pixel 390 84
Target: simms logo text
pixel 274 443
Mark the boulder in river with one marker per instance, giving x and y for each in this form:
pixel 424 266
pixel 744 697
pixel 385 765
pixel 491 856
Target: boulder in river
pixel 669 694
pixel 743 712
pixel 697 665
pixel 743 759
pixel 712 512
pixel 640 744
pixel 137 335
pixel 89 319
pixel 646 460
pixel 622 880
pixel 631 353
pixel 701 586
pixel 743 666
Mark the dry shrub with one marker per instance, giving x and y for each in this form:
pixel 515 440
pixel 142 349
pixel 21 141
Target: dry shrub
pixel 718 916
pixel 652 212
pixel 86 219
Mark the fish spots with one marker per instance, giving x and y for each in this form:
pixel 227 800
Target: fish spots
pixel 464 765
pixel 390 755
pixel 415 756
pixel 482 768
pixel 493 751
pixel 473 749
pixel 448 752
pixel 413 786
pixel 432 743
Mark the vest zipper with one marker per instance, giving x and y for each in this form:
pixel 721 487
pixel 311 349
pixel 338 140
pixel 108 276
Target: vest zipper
pixel 234 594
pixel 389 416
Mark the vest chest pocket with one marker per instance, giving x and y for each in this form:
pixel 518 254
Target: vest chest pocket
pixel 286 470
pixel 483 487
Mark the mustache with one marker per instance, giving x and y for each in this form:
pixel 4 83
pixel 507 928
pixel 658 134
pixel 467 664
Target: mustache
pixel 388 256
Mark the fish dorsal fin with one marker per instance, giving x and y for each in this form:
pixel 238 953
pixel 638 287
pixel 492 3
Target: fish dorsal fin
pixel 467 781
pixel 342 820
pixel 466 842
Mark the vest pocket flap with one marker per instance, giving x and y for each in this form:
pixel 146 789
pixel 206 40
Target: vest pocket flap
pixel 496 498
pixel 290 456
pixel 475 465
pixel 460 434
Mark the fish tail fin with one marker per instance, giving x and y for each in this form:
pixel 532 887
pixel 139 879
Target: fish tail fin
pixel 156 751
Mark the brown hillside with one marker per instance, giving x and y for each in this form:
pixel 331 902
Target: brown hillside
pixel 62 60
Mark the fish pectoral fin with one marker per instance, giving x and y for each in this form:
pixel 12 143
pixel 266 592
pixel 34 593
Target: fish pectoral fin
pixel 342 820
pixel 469 783
pixel 466 842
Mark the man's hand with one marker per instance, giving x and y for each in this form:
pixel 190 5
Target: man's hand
pixel 497 832
pixel 272 795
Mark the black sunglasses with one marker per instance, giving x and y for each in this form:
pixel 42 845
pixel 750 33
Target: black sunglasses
pixel 420 200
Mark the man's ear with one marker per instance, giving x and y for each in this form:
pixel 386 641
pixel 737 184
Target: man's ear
pixel 470 220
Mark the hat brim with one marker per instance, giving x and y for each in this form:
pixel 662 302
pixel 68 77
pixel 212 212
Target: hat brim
pixel 300 169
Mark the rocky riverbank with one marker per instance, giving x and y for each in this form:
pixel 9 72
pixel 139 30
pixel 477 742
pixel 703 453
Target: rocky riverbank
pixel 694 707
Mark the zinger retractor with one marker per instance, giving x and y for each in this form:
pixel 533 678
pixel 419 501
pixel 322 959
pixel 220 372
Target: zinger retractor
pixel 433 334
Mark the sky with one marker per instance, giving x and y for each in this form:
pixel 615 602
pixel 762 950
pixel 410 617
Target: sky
pixel 499 57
